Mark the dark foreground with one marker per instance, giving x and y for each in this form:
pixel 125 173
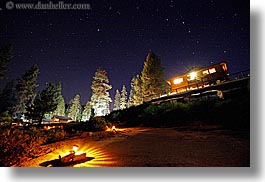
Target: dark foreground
pixel 148 147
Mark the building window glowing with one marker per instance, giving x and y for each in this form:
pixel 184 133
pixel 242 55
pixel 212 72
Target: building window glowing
pixel 205 72
pixel 193 75
pixel 212 70
pixel 178 81
pixel 224 67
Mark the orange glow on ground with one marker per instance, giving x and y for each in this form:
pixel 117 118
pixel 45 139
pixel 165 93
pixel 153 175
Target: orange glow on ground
pixel 113 128
pixel 49 127
pixel 101 158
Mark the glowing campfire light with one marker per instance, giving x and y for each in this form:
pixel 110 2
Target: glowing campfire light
pixel 75 148
pixel 95 156
pixel 113 129
pixel 49 127
pixel 73 156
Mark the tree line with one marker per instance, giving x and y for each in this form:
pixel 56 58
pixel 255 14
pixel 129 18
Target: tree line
pixel 19 98
pixel 150 82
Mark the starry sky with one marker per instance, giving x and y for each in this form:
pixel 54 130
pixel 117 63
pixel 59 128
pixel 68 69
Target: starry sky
pixel 69 45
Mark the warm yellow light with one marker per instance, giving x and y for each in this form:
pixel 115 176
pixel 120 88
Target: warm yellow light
pixel 75 148
pixel 113 129
pixel 224 67
pixel 212 70
pixel 193 75
pixel 205 72
pixel 178 81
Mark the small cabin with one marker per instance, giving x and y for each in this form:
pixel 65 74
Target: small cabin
pixel 199 78
pixel 61 119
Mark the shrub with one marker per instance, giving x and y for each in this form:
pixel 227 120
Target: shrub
pixel 53 135
pixel 4 116
pixel 15 143
pixel 98 123
pixel 5 119
pixel 127 117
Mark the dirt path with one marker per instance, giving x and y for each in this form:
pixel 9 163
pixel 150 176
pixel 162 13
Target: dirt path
pixel 156 147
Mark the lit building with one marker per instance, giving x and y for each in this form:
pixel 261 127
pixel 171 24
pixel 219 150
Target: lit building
pixel 199 78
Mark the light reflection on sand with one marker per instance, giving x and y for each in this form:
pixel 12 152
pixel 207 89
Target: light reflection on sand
pixel 101 157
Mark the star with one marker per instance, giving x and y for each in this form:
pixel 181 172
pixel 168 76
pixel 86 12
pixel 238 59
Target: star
pixel 171 4
pixel 98 30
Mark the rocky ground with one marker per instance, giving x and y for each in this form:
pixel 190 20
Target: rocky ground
pixel 139 147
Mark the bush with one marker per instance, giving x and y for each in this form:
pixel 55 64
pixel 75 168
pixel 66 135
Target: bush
pixel 53 135
pixel 231 113
pixel 127 117
pixel 5 119
pixel 4 116
pixel 15 143
pixel 166 114
pixel 98 123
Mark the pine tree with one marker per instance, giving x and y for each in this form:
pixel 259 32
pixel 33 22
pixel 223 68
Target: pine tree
pixel 86 114
pixel 8 98
pixel 152 77
pixel 6 54
pixel 60 110
pixel 75 108
pixel 117 101
pixel 130 100
pixel 123 102
pixel 100 98
pixel 136 97
pixel 25 90
pixel 45 101
pixel 79 114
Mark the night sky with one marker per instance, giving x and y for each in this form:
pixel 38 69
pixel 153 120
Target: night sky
pixel 69 45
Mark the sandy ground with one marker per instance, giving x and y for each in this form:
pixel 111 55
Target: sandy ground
pixel 140 147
